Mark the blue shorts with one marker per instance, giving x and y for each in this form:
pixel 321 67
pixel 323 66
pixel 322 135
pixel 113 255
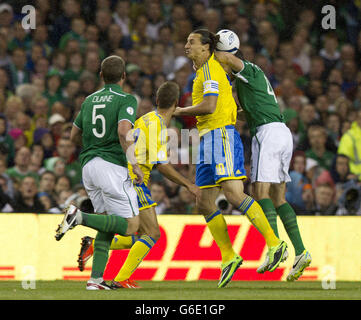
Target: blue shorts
pixel 220 157
pixel 144 197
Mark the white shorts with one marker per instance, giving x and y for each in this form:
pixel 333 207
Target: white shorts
pixel 272 148
pixel 110 188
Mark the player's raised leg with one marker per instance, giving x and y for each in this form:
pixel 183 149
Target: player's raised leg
pixel 261 192
pixel 289 219
pixel 100 222
pixel 233 190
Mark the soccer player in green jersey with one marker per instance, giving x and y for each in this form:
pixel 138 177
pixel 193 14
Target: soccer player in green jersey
pixel 272 148
pixel 101 127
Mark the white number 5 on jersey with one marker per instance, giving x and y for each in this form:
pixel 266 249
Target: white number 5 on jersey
pixel 100 117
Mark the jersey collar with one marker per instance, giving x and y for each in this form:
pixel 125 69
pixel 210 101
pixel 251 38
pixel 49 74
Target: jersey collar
pixel 209 59
pixel 113 86
pixel 159 116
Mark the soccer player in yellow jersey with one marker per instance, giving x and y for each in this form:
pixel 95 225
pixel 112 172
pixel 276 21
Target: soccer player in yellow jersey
pixel 150 135
pixel 220 159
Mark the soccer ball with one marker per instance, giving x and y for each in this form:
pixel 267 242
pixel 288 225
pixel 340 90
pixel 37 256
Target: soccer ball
pixel 228 41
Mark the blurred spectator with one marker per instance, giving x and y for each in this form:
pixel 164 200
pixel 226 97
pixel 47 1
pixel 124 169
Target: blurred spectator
pixel 308 201
pixel 154 20
pixel 307 117
pixel 317 137
pixel 74 69
pixel 121 16
pixel 21 169
pixel 19 138
pixel 63 196
pixel 53 88
pixel 26 199
pixel 197 14
pixel 17 70
pixel 43 137
pixel 157 190
pixel 329 51
pixel 65 150
pixel 9 183
pixel 145 106
pixel 36 159
pixel 183 203
pixel 5 200
pixel 47 203
pixel 351 147
pixel 62 183
pixel 47 185
pixel 56 122
pixel 70 9
pixel 324 201
pixel 6 140
pixel 333 128
pixel 294 188
pixel 6 14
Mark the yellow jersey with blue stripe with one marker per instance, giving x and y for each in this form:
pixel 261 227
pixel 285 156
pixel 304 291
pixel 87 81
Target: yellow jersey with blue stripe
pixel 150 135
pixel 211 79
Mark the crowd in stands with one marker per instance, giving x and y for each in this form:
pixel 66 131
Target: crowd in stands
pixel 46 73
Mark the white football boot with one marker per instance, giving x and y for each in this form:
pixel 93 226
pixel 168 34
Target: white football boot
pixel 72 216
pixel 302 261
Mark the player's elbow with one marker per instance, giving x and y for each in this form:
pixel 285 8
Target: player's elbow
pixel 75 136
pixel 124 129
pixel 212 108
pixel 210 105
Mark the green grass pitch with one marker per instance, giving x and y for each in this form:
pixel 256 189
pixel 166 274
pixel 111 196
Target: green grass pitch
pixel 181 290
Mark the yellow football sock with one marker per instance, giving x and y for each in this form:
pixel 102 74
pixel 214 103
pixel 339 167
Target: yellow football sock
pixel 218 228
pixel 121 242
pixel 136 255
pixel 256 216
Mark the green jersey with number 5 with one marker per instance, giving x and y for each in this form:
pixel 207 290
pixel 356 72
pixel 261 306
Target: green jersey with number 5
pixel 256 96
pixel 98 119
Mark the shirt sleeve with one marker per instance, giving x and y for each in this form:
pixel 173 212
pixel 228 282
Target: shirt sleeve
pixel 210 81
pixel 78 120
pixel 128 110
pixel 249 71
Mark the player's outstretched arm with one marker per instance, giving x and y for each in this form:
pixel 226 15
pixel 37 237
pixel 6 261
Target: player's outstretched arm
pixel 229 59
pixel 168 171
pixel 207 106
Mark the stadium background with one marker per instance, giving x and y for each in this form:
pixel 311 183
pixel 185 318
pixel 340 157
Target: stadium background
pixel 46 73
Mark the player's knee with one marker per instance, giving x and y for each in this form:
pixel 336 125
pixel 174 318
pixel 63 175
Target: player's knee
pixel 234 192
pixel 261 191
pixel 205 208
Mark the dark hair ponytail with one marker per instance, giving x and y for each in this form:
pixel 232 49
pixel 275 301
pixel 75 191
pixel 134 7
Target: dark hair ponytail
pixel 208 37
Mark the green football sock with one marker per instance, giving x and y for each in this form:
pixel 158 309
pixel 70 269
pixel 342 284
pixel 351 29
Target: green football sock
pixel 270 212
pixel 105 223
pixel 289 220
pixel 101 252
